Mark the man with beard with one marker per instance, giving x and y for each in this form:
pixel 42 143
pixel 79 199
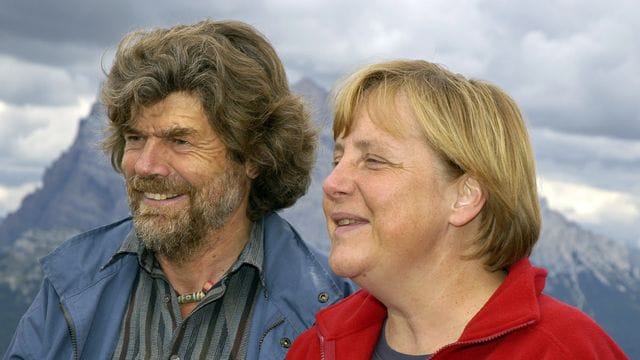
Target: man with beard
pixel 211 143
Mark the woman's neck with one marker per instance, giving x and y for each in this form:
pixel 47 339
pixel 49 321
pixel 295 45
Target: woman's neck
pixel 434 310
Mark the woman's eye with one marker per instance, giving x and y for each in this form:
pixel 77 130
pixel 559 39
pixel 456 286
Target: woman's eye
pixel 335 161
pixel 374 161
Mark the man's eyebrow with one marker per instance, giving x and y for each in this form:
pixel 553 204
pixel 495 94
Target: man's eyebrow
pixel 175 132
pixel 170 133
pixel 127 129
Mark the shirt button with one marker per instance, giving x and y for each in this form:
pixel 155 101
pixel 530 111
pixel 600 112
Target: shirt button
pixel 285 342
pixel 167 298
pixel 174 357
pixel 323 297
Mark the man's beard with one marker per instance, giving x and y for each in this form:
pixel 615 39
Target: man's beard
pixel 178 234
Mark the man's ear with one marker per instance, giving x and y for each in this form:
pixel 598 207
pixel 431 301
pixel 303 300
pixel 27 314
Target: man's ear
pixel 470 199
pixel 251 170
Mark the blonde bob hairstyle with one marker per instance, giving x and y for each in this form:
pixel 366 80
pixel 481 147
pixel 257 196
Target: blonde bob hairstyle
pixel 474 127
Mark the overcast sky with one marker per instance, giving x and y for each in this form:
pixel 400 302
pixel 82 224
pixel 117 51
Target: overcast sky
pixel 572 65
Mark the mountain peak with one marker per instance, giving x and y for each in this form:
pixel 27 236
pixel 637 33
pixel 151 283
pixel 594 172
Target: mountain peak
pixel 79 189
pixel 316 98
pixel 315 95
pixel 307 83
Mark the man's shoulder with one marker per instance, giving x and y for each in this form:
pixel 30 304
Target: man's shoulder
pixel 106 237
pixel 86 252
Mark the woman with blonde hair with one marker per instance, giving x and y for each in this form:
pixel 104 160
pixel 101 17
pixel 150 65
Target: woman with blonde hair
pixel 432 209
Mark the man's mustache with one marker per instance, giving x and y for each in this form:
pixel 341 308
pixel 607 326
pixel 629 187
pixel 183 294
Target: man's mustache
pixel 159 184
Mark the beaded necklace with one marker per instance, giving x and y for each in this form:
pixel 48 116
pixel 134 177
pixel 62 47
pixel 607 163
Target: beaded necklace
pixel 195 296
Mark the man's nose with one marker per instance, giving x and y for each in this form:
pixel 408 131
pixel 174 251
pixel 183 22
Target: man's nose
pixel 152 159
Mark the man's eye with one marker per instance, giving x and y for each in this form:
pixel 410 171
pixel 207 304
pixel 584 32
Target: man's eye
pixel 132 138
pixel 180 142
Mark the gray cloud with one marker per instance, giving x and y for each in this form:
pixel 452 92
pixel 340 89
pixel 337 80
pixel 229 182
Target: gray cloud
pixel 16 173
pixel 597 161
pixel 77 21
pixel 569 65
pixel 599 176
pixel 31 83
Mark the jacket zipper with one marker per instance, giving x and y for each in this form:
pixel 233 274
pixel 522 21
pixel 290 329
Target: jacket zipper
pixel 321 338
pixel 327 347
pixel 483 340
pixel 72 331
pixel 264 334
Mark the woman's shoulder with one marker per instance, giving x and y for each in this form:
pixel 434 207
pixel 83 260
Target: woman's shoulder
pixel 559 316
pixel 569 328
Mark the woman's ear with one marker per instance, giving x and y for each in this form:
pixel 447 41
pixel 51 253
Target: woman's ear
pixel 470 199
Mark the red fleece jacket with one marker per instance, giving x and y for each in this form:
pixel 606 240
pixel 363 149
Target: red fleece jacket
pixel 518 322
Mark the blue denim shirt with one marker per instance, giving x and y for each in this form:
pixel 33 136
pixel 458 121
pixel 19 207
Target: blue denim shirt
pixel 79 308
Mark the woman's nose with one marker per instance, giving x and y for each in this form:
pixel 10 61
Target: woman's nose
pixel 339 183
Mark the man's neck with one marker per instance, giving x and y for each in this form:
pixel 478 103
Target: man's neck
pixel 212 260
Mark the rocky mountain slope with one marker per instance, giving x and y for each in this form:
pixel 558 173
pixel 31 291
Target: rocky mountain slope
pixel 80 190
pixel 596 274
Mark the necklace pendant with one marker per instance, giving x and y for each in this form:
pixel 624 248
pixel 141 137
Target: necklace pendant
pixel 191 297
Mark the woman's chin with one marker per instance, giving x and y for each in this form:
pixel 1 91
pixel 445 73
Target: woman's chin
pixel 346 266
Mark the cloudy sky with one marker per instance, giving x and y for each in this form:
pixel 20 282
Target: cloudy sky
pixel 572 65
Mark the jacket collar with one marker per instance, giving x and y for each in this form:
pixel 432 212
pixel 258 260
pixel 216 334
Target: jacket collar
pixel 284 250
pixel 512 306
pixel 252 254
pixel 79 269
pixel 89 254
pixel 78 256
pixel 353 314
pixel 76 271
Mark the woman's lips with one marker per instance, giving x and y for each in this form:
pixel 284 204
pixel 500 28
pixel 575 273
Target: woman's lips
pixel 346 222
